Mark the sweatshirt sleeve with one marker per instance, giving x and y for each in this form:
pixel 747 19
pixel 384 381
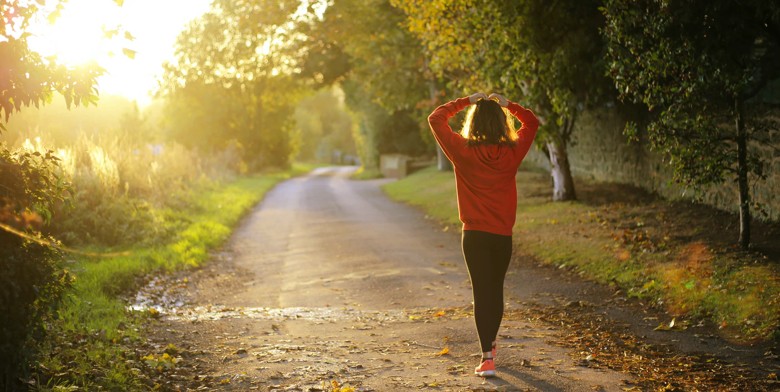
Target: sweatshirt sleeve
pixel 527 132
pixel 438 121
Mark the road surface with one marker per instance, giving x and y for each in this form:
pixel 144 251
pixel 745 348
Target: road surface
pixel 327 280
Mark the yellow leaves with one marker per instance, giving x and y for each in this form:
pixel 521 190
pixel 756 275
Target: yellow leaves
pixel 160 362
pixel 171 349
pixel 444 351
pixel 452 313
pixel 129 53
pixel 664 326
pixel 338 388
pixel 447 264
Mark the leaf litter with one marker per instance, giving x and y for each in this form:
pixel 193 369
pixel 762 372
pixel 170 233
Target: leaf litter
pixel 599 344
pixel 593 342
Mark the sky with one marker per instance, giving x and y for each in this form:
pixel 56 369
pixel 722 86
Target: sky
pixel 78 37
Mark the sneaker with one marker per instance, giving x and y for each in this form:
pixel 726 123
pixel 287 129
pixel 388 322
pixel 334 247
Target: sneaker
pixel 486 369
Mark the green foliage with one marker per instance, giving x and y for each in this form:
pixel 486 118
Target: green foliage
pixel 121 190
pixel 33 279
pixel 29 183
pixel 698 58
pixel 382 71
pixel 232 81
pixel 386 60
pixel 545 55
pixel 96 335
pixel 27 79
pixel 701 62
pixel 613 244
pixel 430 190
pixel 323 126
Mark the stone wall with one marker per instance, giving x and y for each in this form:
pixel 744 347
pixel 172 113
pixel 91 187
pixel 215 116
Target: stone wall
pixel 601 152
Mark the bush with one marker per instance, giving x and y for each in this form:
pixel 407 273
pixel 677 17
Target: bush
pixel 122 189
pixel 33 279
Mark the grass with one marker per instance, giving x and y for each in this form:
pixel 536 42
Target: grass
pixel 364 173
pixel 430 190
pixel 91 346
pixel 678 255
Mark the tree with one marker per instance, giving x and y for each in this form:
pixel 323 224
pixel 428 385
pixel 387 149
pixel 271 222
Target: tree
pixel 696 64
pixel 233 79
pixel 323 126
pixel 546 54
pixel 33 279
pixel 27 79
pixel 361 45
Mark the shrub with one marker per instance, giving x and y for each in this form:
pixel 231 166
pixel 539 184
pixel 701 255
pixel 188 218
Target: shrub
pixel 121 189
pixel 33 279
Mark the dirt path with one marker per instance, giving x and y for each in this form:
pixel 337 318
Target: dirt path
pixel 328 283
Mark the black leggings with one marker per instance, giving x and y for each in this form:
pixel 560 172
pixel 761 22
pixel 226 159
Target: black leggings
pixel 487 257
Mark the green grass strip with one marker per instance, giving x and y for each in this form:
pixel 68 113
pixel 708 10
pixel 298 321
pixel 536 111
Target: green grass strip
pixel 686 278
pixel 94 314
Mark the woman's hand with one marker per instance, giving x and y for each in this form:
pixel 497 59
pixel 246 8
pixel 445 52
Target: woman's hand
pixel 499 98
pixel 473 98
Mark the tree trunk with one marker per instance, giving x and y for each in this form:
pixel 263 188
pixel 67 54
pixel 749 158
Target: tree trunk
pixel 563 184
pixel 742 177
pixel 442 162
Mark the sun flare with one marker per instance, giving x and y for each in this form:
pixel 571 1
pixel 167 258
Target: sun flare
pixel 78 35
pixel 94 31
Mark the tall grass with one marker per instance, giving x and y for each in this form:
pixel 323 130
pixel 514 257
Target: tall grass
pixel 95 315
pixel 123 192
pixel 165 208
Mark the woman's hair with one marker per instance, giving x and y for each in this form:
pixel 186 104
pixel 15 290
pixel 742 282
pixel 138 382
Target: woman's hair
pixel 487 123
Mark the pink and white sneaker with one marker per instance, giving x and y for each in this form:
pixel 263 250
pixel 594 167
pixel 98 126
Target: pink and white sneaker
pixel 486 369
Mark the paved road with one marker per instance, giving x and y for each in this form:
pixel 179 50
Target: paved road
pixel 328 280
pixel 323 240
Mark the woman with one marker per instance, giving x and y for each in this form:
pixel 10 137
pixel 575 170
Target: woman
pixel 486 155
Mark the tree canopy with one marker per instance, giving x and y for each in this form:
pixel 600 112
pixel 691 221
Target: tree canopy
pixel 547 56
pixel 361 44
pixel 233 80
pixel 695 64
pixel 28 79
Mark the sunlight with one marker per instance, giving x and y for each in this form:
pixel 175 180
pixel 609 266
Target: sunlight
pixel 79 36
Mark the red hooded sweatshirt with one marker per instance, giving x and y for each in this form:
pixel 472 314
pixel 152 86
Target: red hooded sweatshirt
pixel 485 173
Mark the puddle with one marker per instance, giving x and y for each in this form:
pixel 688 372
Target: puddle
pixel 161 293
pixel 216 312
pixel 168 297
